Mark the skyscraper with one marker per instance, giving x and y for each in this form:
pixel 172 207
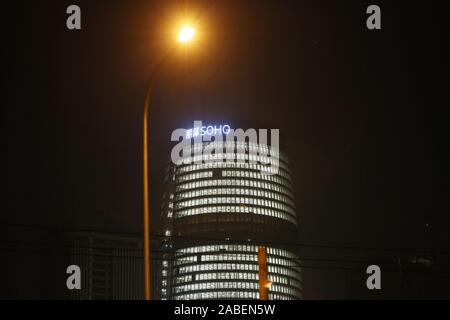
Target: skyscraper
pixel 111 266
pixel 217 208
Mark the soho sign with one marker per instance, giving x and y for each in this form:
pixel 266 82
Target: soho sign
pixel 207 130
pixel 257 150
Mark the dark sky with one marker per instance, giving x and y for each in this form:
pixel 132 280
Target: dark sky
pixel 360 112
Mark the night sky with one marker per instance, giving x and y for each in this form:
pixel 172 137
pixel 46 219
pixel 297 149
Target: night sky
pixel 361 113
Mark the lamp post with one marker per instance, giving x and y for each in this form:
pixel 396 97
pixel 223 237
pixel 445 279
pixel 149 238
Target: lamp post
pixel 185 35
pixel 264 283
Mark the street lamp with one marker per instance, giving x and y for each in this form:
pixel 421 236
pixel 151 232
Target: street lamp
pixel 186 34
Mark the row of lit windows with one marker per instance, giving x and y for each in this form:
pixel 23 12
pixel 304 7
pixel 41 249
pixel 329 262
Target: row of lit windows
pixel 260 147
pixel 229 157
pixel 238 276
pixel 284 289
pixel 199 158
pixel 228 165
pixel 195 176
pixel 234 182
pixel 218 295
pixel 284 280
pixel 218 266
pixel 234 200
pixel 234 276
pixel 282 262
pixel 229 257
pixel 232 295
pixel 226 276
pixel 277 296
pixel 238 267
pixel 281 253
pixel 218 247
pixel 183 279
pixel 238 248
pixel 235 191
pixel 276 269
pixel 239 156
pixel 245 285
pixel 230 146
pixel 237 209
pixel 284 271
pixel 257 174
pixel 253 175
pixel 185 260
pixel 248 258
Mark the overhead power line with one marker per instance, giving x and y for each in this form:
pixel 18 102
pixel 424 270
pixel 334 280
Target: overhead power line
pixel 300 266
pixel 71 250
pixel 279 243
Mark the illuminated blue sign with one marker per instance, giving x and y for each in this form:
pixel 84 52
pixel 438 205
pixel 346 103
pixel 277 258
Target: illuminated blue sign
pixel 207 130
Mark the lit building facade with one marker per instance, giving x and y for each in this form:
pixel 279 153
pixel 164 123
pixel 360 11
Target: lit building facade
pixel 214 215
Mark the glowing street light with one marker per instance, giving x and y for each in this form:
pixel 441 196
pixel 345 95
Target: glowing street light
pixel 186 34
